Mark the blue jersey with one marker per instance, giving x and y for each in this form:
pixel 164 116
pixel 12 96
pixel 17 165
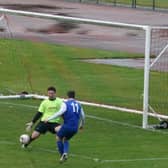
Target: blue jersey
pixel 72 114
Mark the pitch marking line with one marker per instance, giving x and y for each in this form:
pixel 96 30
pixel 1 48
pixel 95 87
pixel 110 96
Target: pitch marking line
pixel 92 117
pixel 90 158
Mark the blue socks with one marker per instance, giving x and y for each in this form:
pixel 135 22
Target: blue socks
pixel 66 146
pixel 63 147
pixel 60 147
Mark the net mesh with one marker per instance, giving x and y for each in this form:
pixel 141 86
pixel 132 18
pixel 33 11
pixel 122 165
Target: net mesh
pixel 158 96
pixel 44 52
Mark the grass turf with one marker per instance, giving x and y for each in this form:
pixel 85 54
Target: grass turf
pixel 102 144
pixel 34 66
pixel 110 136
pixel 147 3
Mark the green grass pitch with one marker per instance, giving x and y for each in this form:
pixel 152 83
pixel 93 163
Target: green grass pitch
pixel 33 66
pixel 149 3
pixel 110 138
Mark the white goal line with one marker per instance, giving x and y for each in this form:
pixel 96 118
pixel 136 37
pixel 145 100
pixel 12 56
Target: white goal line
pixel 122 109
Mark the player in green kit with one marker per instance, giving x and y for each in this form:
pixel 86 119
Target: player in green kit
pixel 47 108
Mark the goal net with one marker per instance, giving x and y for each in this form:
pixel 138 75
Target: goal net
pixel 103 61
pixel 158 77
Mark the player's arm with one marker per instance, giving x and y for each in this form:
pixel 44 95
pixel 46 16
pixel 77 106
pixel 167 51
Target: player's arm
pixel 36 117
pixel 82 119
pixel 58 113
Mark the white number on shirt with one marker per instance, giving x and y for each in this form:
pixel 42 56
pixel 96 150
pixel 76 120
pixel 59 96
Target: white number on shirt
pixel 75 107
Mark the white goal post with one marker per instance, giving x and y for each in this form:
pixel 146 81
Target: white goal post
pixel 147 52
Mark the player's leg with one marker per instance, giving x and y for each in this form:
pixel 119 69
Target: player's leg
pixel 57 128
pixel 65 134
pixel 60 146
pixel 34 136
pixel 64 149
pixel 66 145
pixel 59 143
pixel 41 128
pixel 64 156
pixel 54 128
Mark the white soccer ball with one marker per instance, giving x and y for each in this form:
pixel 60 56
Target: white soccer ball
pixel 24 139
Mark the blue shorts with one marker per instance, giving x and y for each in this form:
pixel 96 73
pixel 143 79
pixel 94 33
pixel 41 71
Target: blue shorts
pixel 66 132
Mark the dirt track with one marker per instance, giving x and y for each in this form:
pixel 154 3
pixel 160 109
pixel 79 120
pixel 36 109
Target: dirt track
pixel 84 35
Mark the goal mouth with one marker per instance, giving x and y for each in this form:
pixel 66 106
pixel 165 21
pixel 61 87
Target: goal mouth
pixel 123 89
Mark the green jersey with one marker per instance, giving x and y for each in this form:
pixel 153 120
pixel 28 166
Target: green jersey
pixel 49 107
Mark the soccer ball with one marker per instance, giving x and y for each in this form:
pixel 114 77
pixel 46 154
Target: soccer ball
pixel 24 139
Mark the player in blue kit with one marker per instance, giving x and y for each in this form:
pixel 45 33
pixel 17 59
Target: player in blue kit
pixel 74 118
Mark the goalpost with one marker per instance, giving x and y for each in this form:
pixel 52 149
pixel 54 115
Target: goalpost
pixel 155 63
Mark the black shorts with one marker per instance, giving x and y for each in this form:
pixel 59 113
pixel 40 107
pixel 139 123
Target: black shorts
pixel 42 127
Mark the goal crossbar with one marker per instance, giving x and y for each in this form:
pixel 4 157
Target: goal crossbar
pixel 73 19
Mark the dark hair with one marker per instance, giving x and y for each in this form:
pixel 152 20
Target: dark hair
pixel 71 94
pixel 51 88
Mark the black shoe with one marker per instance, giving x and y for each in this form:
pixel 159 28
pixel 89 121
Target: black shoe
pixel 24 146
